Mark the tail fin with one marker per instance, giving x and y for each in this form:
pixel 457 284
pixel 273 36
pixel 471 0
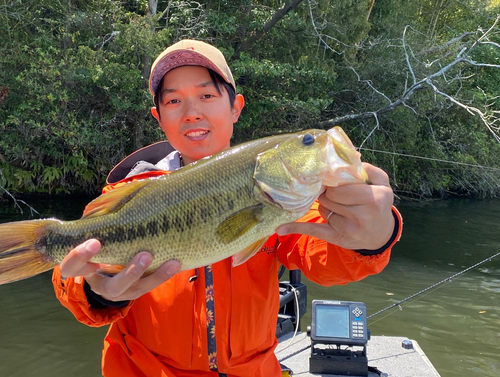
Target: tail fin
pixel 19 258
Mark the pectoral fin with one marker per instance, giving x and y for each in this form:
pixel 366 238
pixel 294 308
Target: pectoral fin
pixel 239 223
pixel 113 200
pixel 247 253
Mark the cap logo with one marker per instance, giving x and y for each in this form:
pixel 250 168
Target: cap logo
pixel 190 48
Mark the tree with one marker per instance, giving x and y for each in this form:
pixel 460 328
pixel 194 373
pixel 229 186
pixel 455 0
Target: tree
pixel 74 98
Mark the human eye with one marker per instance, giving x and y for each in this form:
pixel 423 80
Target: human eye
pixel 172 101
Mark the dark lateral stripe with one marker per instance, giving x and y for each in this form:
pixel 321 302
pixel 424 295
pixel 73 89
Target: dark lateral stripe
pixel 179 224
pixel 215 206
pixel 116 235
pixel 141 231
pixel 205 213
pixel 165 224
pixel 105 235
pixel 54 240
pixel 152 227
pixel 130 233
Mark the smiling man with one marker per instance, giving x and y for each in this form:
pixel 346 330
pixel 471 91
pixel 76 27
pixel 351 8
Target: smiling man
pixel 195 114
pixel 220 320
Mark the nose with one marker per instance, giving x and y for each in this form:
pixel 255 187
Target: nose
pixel 192 112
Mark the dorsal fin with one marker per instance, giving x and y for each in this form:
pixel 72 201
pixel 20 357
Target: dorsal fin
pixel 113 200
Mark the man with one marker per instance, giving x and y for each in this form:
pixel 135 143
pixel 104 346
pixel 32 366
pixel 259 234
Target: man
pixel 220 320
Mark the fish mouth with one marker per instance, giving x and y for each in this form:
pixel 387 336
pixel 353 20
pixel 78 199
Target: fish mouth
pixel 268 197
pixel 344 161
pixel 293 199
pixel 198 134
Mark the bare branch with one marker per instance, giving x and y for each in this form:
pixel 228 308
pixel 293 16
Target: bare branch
pixel 109 38
pixel 372 131
pixel 485 35
pixel 152 6
pixel 471 62
pixel 278 16
pixel 369 83
pixel 321 36
pixel 462 57
pixel 17 201
pixel 408 58
pixel 490 43
pixel 447 44
pixel 165 12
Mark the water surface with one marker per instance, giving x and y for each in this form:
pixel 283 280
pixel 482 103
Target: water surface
pixel 457 325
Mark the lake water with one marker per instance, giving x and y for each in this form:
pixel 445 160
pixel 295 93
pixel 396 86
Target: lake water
pixel 457 325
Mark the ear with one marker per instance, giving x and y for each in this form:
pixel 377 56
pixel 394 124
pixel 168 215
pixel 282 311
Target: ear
pixel 239 103
pixel 154 112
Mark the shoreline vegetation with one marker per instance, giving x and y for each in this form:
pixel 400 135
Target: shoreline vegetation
pixel 413 83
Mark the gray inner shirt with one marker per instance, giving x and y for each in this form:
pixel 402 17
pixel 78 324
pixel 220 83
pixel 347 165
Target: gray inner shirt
pixel 170 163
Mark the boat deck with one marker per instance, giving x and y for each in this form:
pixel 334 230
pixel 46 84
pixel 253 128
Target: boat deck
pixel 384 352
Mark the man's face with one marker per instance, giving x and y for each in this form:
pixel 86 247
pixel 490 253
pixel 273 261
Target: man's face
pixel 195 117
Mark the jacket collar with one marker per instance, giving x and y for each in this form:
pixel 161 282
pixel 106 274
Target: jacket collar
pixel 151 153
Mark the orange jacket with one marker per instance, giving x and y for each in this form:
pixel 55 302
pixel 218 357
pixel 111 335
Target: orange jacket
pixel 166 332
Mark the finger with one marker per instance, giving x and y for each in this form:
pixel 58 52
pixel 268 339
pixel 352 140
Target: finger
pixel 161 275
pixel 356 194
pixel 114 287
pixel 76 263
pixel 376 175
pixel 342 219
pixel 321 231
pixel 328 208
pixel 336 232
pixel 344 228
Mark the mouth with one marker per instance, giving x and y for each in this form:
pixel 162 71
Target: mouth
pixel 197 134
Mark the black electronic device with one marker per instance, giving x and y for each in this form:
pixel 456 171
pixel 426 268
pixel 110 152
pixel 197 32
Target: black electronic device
pixel 337 327
pixel 339 322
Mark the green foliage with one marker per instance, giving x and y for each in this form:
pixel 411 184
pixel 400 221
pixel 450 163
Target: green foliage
pixel 280 97
pixel 77 101
pixel 74 96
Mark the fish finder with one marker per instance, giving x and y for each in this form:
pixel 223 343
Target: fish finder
pixel 339 322
pixel 336 328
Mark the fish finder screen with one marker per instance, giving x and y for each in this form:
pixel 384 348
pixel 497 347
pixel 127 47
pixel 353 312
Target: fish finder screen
pixel 332 321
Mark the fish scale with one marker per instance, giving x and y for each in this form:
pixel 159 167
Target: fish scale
pixel 219 206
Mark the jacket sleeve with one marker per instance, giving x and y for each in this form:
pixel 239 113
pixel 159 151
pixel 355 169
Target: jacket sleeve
pixel 71 293
pixel 327 264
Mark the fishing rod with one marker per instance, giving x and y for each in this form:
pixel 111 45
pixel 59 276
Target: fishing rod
pixel 291 340
pixel 449 279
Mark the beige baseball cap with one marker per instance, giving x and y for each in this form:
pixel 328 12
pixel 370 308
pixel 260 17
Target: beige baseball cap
pixel 189 52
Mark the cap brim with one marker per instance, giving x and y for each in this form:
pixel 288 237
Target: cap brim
pixel 177 59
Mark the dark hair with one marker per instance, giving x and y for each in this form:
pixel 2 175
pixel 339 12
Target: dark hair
pixel 216 79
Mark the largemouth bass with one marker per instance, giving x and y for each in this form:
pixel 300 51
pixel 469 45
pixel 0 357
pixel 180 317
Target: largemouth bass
pixel 224 205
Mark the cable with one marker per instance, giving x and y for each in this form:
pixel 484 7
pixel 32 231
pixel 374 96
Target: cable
pixel 297 320
pixel 431 159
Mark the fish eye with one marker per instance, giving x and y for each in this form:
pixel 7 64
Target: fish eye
pixel 308 139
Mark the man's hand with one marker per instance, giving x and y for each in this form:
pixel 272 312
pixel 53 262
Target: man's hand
pixel 126 285
pixel 358 216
